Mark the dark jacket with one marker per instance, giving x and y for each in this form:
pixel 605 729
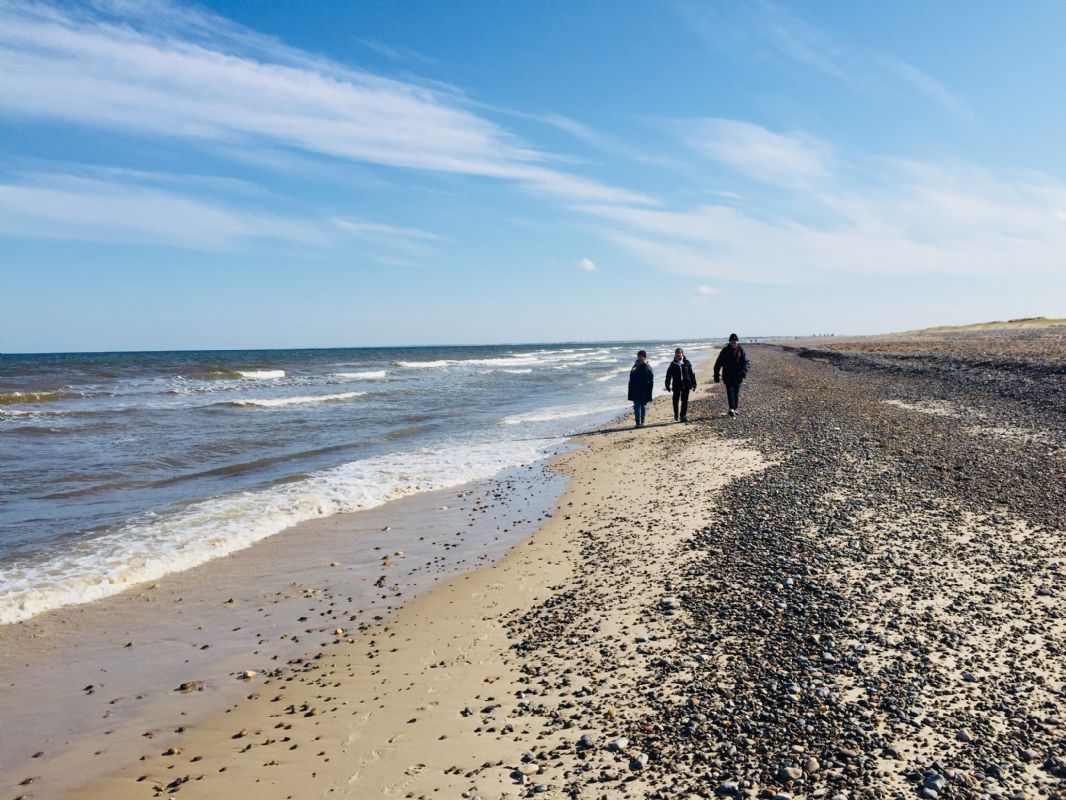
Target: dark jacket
pixel 680 376
pixel 641 382
pixel 733 366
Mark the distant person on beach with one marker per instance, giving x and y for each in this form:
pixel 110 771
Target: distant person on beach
pixel 732 365
pixel 680 379
pixel 641 385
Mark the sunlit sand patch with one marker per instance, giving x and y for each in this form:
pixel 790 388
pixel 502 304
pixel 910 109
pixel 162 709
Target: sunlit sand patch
pixel 1013 433
pixel 936 408
pixel 939 408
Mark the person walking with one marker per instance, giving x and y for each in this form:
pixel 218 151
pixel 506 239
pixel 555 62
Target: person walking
pixel 680 379
pixel 733 365
pixel 641 385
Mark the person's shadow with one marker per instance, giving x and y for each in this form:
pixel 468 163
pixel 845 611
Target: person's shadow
pixel 632 429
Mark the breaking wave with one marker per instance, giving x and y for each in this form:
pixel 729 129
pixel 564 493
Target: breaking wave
pixel 280 402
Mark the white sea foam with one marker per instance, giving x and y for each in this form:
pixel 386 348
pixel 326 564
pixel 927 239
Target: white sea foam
pixel 444 362
pixel 158 545
pixel 367 375
pixel 261 374
pixel 277 402
pixel 539 358
pixel 560 412
pixel 613 374
pixel 525 371
pixel 471 362
pixel 507 361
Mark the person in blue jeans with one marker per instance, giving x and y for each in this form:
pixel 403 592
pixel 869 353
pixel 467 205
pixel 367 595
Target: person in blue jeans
pixel 732 365
pixel 641 385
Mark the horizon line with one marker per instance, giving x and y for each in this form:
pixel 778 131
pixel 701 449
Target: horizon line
pixel 560 343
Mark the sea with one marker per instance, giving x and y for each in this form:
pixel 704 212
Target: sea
pixel 119 468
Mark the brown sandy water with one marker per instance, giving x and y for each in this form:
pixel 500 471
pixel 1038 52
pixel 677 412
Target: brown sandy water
pixel 86 685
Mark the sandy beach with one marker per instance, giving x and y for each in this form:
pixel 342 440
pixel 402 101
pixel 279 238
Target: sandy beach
pixel 854 590
pixel 323 326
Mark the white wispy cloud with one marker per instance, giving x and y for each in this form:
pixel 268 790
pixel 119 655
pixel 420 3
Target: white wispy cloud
pixel 63 207
pixel 587 264
pixel 165 71
pixel 864 216
pixel 927 85
pixel 704 293
pixel 773 28
pixel 407 240
pixel 89 203
pixel 396 53
pixel 799 40
pixel 757 152
pixel 379 230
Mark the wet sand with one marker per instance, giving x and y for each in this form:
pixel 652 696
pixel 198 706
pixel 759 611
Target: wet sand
pixel 85 685
pixel 838 594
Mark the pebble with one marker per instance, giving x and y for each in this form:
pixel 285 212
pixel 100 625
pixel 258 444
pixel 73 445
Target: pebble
pixel 790 774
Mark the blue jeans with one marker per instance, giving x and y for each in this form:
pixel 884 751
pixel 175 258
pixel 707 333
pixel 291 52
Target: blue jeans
pixel 639 409
pixel 732 392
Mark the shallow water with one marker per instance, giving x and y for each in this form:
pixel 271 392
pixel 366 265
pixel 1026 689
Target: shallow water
pixel 119 468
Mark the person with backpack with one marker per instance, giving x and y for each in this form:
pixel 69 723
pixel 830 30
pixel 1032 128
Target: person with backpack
pixel 641 385
pixel 680 379
pixel 733 365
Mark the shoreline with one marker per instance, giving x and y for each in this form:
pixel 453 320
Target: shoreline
pixel 118 660
pixel 839 595
pixel 107 670
pixel 411 669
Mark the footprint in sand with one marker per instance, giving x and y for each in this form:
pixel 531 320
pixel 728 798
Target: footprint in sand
pixel 411 772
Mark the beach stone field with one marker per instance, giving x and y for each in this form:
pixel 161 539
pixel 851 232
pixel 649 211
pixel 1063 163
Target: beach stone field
pixel 878 611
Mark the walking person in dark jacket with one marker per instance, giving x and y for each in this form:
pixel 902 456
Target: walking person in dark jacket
pixel 733 365
pixel 641 385
pixel 680 379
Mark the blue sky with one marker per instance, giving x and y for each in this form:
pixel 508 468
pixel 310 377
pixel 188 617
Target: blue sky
pixel 249 174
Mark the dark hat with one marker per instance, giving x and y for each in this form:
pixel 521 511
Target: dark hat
pixel 734 338
pixel 642 354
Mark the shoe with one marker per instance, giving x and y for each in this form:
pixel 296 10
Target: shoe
pixel 732 413
pixel 675 418
pixel 684 419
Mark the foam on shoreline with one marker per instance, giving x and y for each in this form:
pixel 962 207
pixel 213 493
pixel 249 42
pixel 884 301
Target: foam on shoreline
pixel 156 545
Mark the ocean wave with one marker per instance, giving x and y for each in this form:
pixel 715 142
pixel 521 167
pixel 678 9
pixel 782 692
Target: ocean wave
pixel 560 412
pixel 463 362
pixel 443 362
pixel 525 371
pixel 157 545
pixel 214 372
pixel 278 402
pixel 614 373
pixel 18 398
pixel 506 361
pixel 368 375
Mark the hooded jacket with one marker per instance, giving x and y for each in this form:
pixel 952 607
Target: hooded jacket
pixel 680 376
pixel 732 365
pixel 641 382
